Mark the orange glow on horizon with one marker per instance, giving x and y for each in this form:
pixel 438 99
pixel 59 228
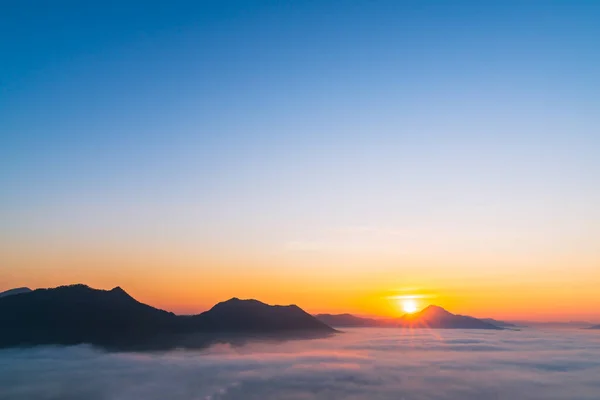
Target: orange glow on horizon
pixel 186 282
pixel 409 306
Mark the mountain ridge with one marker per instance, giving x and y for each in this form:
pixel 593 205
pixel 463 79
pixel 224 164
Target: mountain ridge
pixel 436 317
pixel 502 324
pixel 433 316
pixel 12 292
pixel 348 321
pixel 77 314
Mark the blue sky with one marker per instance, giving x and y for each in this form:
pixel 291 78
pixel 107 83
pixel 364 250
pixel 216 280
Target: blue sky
pixel 472 125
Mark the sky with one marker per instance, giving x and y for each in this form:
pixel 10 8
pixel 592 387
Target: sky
pixel 331 154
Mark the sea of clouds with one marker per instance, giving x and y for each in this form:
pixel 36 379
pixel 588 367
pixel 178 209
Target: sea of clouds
pixel 358 364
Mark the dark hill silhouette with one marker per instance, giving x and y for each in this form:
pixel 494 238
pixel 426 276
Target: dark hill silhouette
pixel 75 314
pixel 349 321
pixel 78 314
pixel 594 327
pixel 436 317
pixel 237 315
pixel 501 324
pixel 14 291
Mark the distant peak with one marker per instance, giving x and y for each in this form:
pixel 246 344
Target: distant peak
pixel 234 301
pixel 119 292
pixel 238 300
pixel 14 291
pixel 434 310
pixel 237 303
pixel 434 307
pixel 75 286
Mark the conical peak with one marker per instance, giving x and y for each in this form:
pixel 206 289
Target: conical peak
pixel 434 310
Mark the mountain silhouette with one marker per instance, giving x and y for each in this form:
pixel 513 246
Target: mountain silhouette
pixel 436 317
pixel 349 321
pixel 14 291
pixel 501 324
pixel 75 314
pixel 237 315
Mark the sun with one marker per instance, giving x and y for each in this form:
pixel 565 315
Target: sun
pixel 409 306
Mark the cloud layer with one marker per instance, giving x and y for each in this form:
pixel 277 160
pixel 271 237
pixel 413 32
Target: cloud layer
pixel 359 364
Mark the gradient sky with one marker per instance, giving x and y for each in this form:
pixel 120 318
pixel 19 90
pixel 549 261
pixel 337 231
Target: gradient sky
pixel 331 154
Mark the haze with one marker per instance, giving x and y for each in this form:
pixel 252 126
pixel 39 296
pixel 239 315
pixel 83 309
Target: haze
pixel 360 364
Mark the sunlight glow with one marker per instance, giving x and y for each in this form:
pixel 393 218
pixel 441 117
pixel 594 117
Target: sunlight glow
pixel 409 306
